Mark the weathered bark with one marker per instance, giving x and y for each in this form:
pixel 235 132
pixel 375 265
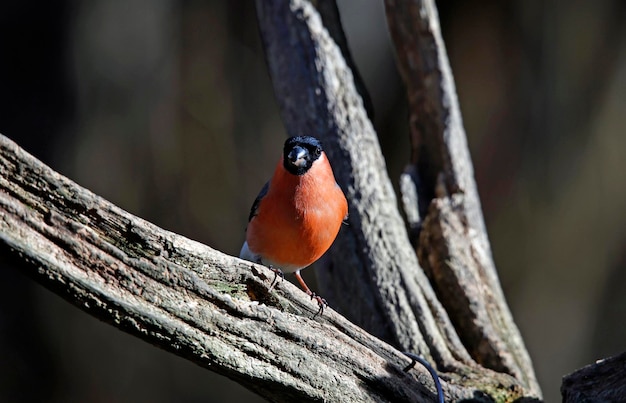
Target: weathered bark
pixel 448 226
pixel 373 261
pixel 604 381
pixel 185 297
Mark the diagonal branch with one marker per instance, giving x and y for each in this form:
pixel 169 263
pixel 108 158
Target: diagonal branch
pixel 187 298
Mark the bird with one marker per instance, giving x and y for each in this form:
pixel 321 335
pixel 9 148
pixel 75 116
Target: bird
pixel 298 213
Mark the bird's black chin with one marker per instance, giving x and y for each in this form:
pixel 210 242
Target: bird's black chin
pixel 299 154
pixel 296 169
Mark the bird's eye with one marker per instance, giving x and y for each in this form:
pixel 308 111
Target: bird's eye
pixel 318 152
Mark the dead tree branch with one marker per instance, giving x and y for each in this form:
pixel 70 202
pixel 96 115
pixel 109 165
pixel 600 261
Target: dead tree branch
pixel 440 194
pixel 187 298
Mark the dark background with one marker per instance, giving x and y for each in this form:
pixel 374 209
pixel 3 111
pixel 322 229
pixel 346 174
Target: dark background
pixel 165 108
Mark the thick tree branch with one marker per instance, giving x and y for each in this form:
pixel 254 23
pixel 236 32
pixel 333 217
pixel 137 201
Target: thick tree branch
pixel 185 297
pixel 442 201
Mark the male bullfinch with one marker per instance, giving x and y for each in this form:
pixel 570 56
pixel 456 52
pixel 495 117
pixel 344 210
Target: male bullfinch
pixel 298 213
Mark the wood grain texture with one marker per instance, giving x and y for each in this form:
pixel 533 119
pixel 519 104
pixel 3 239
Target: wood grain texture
pixel 187 298
pixel 448 227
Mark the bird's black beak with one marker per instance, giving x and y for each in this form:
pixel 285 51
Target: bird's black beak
pixel 298 156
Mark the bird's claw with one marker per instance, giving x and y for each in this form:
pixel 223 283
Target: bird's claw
pixel 321 303
pixel 277 273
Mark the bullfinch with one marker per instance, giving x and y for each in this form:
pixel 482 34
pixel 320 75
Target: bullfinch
pixel 298 213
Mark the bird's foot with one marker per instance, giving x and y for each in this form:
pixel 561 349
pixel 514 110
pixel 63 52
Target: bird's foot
pixel 321 303
pixel 277 273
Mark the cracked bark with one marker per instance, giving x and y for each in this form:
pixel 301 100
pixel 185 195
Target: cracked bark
pixel 187 298
pixel 452 242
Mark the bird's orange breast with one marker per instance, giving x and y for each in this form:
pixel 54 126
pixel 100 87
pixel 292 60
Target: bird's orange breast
pixel 299 217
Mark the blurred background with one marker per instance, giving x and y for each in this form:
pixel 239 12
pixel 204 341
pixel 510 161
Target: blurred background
pixel 165 108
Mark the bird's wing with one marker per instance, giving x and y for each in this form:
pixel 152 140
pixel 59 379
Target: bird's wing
pixel 255 205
